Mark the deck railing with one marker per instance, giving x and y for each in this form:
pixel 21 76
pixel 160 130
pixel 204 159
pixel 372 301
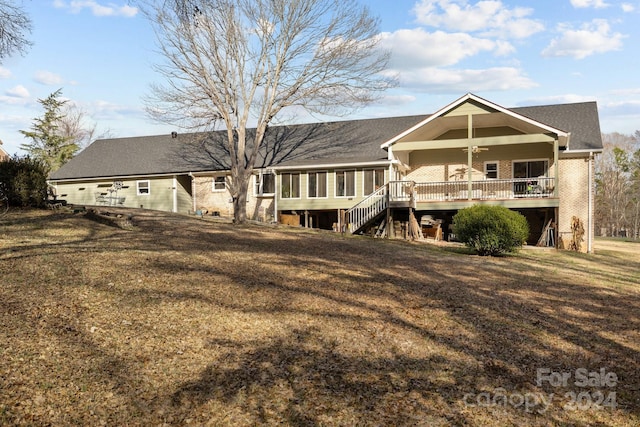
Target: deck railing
pixel 368 208
pixel 489 189
pixel 409 191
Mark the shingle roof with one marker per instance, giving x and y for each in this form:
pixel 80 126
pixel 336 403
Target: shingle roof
pixel 580 119
pixel 342 142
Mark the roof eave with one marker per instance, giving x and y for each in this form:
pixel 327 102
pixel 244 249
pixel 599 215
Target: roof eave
pixel 465 98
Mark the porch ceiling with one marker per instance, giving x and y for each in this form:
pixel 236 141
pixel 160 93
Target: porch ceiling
pixel 440 125
pixel 465 142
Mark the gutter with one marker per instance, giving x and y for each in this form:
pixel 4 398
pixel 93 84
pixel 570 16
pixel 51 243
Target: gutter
pixel 115 177
pixel 331 165
pixel 590 205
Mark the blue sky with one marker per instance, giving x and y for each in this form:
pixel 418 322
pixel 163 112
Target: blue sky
pixel 511 52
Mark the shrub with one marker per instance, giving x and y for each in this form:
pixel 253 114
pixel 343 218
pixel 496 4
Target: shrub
pixel 490 230
pixel 24 181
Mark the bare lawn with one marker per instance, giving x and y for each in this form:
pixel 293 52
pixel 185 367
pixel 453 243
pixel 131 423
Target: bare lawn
pixel 178 321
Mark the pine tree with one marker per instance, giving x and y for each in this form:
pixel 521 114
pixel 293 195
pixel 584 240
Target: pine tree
pixel 48 142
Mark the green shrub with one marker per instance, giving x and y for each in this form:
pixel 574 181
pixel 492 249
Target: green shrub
pixel 24 181
pixel 490 230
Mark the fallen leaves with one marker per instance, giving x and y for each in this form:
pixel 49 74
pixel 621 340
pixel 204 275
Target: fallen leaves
pixel 182 321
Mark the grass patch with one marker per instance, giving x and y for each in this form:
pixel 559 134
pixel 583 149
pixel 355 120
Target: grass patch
pixel 183 320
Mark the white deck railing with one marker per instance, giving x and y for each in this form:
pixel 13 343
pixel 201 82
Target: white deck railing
pixel 490 189
pixel 409 191
pixel 368 208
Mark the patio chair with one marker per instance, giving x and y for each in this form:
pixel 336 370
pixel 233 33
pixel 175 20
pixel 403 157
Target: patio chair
pixel 101 199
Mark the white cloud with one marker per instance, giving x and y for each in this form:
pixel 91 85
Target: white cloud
pixel 4 73
pixel 418 48
pixel 18 92
pixel 627 7
pixel 569 98
pixel 47 78
pixel 397 100
pixel 625 92
pixel 97 9
pixel 438 80
pixel 597 4
pixel 108 110
pixel 591 38
pixel 489 16
pixel 18 95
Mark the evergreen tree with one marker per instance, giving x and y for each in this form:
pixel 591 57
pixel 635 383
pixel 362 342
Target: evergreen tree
pixel 48 142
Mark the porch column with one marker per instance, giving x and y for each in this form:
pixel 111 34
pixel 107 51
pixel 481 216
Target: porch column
pixel 469 156
pixel 556 168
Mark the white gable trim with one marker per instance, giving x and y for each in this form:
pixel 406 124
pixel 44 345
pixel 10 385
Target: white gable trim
pixel 472 97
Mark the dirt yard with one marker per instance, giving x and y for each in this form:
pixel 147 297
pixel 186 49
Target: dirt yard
pixel 178 321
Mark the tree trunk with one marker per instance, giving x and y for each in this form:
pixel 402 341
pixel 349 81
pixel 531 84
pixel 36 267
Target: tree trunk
pixel 240 199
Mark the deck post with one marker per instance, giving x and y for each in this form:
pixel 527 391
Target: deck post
pixel 556 168
pixel 389 219
pixel 469 156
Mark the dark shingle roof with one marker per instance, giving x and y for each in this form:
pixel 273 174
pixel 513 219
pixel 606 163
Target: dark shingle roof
pixel 580 119
pixel 341 142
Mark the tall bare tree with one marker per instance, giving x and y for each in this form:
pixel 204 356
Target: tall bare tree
pixel 14 27
pixel 73 125
pixel 236 63
pixel 617 185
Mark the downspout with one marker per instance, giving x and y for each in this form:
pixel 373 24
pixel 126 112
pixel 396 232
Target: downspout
pixel 193 191
pixel 175 194
pixel 275 199
pixel 590 206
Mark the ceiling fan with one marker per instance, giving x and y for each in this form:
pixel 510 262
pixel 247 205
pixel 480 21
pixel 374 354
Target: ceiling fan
pixel 475 149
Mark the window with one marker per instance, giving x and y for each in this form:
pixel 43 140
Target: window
pixel 345 183
pixel 219 183
pixel 525 173
pixel 143 188
pixel 317 184
pixel 491 170
pixel 290 185
pixel 373 179
pixel 265 183
pixel 530 168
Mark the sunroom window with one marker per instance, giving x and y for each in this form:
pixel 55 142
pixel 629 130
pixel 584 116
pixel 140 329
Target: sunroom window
pixel 290 185
pixel 345 183
pixel 317 184
pixel 373 179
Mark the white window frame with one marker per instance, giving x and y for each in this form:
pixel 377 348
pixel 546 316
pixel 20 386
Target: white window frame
pixel 259 183
pixel 344 171
pixel 326 185
pixel 375 185
pixel 148 188
pixel 290 174
pixel 497 171
pixel 214 182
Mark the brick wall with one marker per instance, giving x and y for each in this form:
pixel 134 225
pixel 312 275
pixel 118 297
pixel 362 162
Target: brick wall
pixel 573 190
pixel 258 208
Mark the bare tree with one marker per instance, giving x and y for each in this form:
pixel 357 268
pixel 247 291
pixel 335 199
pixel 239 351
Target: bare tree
pixel 58 135
pixel 235 63
pixel 14 26
pixel 614 183
pixel 73 125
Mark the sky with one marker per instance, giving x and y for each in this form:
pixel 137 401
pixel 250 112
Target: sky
pixel 514 53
